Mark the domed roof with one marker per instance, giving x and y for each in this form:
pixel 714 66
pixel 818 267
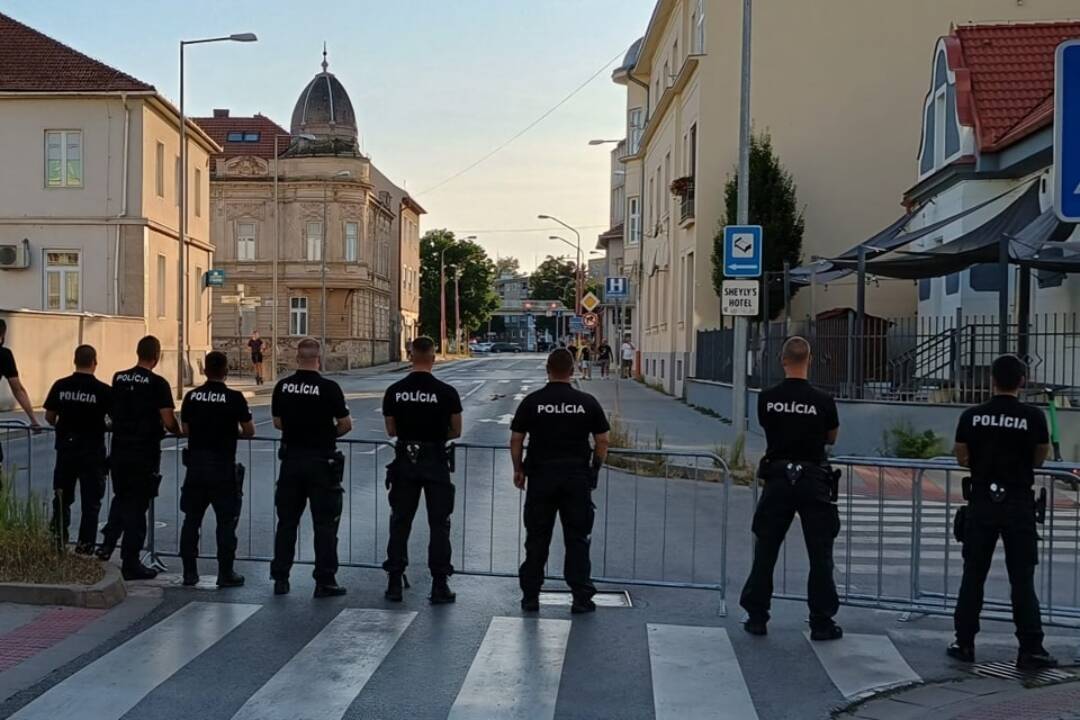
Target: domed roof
pixel 324 109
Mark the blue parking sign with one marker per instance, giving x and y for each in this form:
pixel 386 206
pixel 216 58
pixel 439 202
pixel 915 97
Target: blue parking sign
pixel 616 288
pixel 743 251
pixel 1067 132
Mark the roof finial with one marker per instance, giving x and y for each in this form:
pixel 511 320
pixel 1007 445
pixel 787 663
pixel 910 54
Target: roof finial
pixel 324 63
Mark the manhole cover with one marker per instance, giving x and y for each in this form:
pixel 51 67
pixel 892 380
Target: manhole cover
pixel 603 599
pixel 1030 678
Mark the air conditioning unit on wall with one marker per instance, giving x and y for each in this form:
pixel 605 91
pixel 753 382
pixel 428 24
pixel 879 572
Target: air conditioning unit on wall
pixel 15 257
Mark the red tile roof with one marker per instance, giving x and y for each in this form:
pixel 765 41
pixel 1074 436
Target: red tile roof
pixel 31 61
pixel 1005 77
pixel 219 128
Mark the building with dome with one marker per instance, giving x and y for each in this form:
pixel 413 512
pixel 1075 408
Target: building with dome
pixel 307 206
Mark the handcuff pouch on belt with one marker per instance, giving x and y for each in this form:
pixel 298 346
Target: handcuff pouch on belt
pixel 794 471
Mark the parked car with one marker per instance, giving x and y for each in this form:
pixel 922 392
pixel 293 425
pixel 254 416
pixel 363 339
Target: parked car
pixel 480 348
pixel 504 347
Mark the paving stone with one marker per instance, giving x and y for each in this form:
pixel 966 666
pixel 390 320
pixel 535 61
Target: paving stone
pixel 932 696
pixel 983 686
pixel 888 710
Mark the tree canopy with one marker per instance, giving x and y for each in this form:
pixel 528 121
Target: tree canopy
pixel 554 279
pixel 507 266
pixel 774 206
pixel 477 284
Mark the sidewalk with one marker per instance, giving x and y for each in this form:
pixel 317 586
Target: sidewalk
pixel 981 698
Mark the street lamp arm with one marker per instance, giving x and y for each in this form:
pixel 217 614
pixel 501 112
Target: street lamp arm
pixel 235 37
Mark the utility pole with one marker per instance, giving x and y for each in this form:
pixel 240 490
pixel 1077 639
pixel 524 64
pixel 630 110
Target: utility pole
pixel 738 404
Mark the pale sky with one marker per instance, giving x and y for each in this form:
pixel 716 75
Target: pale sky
pixel 436 84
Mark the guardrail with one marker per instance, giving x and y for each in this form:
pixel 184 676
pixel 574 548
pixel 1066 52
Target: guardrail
pixel 896 549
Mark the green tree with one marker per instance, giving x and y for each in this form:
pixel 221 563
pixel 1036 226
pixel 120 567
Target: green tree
pixel 507 266
pixel 477 284
pixel 554 279
pixel 774 206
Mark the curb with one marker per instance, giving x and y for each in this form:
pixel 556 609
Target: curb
pixel 110 591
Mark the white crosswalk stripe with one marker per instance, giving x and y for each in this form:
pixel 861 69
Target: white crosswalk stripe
pixel 695 674
pixel 516 672
pixel 861 664
pixel 325 677
pixel 110 686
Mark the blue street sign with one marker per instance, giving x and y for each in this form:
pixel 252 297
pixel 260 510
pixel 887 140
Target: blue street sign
pixel 616 288
pixel 743 251
pixel 1067 132
pixel 215 278
pixel 577 325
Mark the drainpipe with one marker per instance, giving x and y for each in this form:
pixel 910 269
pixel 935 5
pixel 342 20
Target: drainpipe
pixel 641 216
pixel 123 205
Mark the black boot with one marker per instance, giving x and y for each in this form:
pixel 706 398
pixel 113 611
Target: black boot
pixel 138 571
pixel 756 627
pixel 329 589
pixel 84 548
pixel 191 572
pixel 226 577
pixel 105 549
pixel 281 587
pixel 441 594
pixel 823 633
pixel 582 605
pixel 530 604
pixel 1037 659
pixel 394 591
pixel 962 651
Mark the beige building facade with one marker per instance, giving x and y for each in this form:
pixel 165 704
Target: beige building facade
pixel 90 207
pixel 838 84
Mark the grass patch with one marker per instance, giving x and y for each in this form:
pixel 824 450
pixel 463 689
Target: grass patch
pixel 28 551
pixel 742 472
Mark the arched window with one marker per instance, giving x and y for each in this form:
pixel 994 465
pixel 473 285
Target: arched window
pixel 941 129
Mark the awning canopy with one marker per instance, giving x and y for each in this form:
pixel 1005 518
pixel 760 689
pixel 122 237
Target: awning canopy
pixel 981 245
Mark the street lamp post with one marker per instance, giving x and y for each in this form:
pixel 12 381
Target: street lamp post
pixel 577 235
pixel 442 295
pixel 182 229
pixel 457 309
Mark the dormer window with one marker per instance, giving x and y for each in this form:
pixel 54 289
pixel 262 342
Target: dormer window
pixel 941 129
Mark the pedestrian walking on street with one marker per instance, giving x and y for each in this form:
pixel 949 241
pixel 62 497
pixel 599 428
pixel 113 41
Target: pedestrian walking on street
pixel 142 412
pixel 256 345
pixel 311 413
pixel 560 472
pixel 627 354
pixel 212 417
pixel 1002 441
pixel 604 356
pixel 78 407
pixel 799 421
pixel 422 413
pixel 586 355
pixel 10 372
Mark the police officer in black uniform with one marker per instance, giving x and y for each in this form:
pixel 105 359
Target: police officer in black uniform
pixel 311 413
pixel 561 471
pixel 1002 441
pixel 422 413
pixel 799 421
pixel 10 372
pixel 77 406
pixel 213 417
pixel 143 410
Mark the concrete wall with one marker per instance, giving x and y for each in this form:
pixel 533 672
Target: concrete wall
pixel 862 424
pixel 44 344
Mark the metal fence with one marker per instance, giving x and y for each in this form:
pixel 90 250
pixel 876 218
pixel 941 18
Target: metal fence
pixel 940 359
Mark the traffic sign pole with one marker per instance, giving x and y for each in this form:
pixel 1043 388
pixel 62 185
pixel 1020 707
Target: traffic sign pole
pixel 738 404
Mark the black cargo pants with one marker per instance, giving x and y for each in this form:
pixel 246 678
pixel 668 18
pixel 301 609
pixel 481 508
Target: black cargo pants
pixel 564 489
pixel 210 482
pixel 82 462
pixel 810 497
pixel 406 479
pixel 316 478
pixel 1013 520
pixel 135 468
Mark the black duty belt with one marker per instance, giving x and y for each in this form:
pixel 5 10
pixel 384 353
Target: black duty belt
pixel 206 458
pixel 417 451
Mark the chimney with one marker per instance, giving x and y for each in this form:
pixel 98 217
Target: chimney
pixel 221 112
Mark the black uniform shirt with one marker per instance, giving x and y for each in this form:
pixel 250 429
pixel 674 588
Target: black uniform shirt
pixel 309 407
pixel 796 418
pixel 7 364
pixel 213 414
pixel 421 406
pixel 1001 437
pixel 138 397
pixel 82 402
pixel 558 420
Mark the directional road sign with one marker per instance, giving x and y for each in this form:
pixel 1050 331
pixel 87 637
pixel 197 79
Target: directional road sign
pixel 589 302
pixel 616 288
pixel 1067 132
pixel 215 278
pixel 577 325
pixel 743 251
pixel 740 297
pixel 230 299
pixel 591 320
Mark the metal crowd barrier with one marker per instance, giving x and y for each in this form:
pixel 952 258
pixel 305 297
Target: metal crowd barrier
pixel 896 549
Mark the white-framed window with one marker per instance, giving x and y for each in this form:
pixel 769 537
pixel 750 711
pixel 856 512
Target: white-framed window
pixel 634 237
pixel 245 241
pixel 159 169
pixel 298 316
pixel 667 183
pixel 697 23
pixel 198 192
pixel 313 241
pixel 62 281
pixel 63 158
pixel 635 123
pixel 198 294
pixel 162 277
pixel 352 242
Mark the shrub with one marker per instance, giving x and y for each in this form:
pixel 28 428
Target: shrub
pixel 903 441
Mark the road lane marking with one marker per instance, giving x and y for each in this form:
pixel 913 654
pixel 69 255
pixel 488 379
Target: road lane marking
pixel 469 394
pixel 324 678
pixel 516 672
pixel 110 686
pixel 501 420
pixel 695 674
pixel 859 665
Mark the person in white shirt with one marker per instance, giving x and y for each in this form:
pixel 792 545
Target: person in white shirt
pixel 627 357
